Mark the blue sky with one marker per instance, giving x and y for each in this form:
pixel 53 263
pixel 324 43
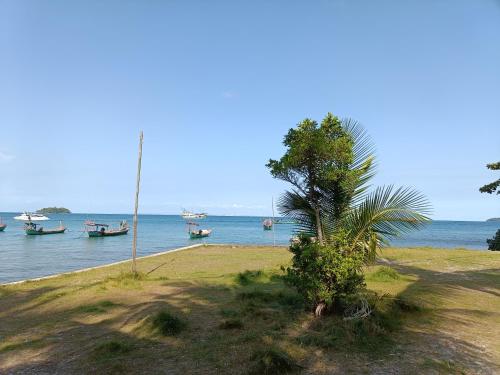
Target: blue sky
pixel 216 85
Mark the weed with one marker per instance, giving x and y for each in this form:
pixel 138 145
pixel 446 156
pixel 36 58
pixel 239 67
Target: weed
pixel 231 324
pixel 384 274
pixel 168 324
pixel 248 277
pixel 96 308
pixel 111 349
pixel 273 361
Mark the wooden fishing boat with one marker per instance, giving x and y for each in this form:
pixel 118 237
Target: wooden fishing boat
pixel 2 225
pixel 267 224
pixel 33 229
pixel 194 234
pixel 197 233
pixel 102 230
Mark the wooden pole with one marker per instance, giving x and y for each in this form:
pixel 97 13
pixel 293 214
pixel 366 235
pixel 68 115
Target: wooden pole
pixel 274 236
pixel 134 241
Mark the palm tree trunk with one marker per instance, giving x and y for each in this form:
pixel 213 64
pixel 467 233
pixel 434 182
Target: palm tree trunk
pixel 318 311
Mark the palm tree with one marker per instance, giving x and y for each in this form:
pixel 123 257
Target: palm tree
pixel 366 219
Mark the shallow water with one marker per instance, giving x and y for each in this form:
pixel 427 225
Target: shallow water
pixel 34 256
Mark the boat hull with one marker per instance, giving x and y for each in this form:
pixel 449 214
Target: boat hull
pixel 196 235
pixel 97 233
pixel 267 227
pixel 2 227
pixel 34 232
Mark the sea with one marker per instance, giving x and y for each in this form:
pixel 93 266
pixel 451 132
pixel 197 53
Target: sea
pixel 24 257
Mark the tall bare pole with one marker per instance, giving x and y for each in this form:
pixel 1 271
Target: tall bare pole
pixel 138 181
pixel 274 236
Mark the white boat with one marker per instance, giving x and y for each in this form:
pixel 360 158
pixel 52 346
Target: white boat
pixel 28 216
pixel 190 215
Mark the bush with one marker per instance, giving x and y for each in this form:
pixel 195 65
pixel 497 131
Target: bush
pixel 325 274
pixel 168 324
pixel 231 324
pixel 112 348
pixel 384 274
pixel 248 277
pixel 273 361
pixel 494 243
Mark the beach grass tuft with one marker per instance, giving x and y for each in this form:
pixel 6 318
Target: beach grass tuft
pixel 384 274
pixel 231 324
pixel 248 277
pixel 111 349
pixel 272 360
pixel 167 324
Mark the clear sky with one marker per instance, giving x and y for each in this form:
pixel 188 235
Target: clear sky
pixel 216 84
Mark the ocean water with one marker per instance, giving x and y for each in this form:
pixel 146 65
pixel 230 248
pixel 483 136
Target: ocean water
pixel 25 257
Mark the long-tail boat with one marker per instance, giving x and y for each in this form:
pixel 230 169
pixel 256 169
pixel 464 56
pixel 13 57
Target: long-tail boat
pixel 102 230
pixel 33 229
pixel 2 225
pixel 267 224
pixel 197 233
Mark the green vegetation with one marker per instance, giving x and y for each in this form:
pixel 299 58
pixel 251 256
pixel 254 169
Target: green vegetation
pixel 111 349
pixel 384 274
pixel 53 210
pixel 96 308
pixel 433 311
pixel 325 274
pixel 231 324
pixel 168 324
pixel 494 243
pixel 341 224
pixel 272 360
pixel 495 185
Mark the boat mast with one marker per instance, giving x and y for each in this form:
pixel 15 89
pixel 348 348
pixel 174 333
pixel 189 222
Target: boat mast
pixel 134 241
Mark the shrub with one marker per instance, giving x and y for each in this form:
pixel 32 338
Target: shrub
pixel 494 243
pixel 168 324
pixel 325 274
pixel 248 277
pixel 384 274
pixel 273 361
pixel 112 348
pixel 231 324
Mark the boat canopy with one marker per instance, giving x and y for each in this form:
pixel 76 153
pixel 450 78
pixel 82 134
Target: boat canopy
pixel 92 224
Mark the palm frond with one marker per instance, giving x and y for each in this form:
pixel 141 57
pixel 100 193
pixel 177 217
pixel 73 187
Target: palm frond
pixel 296 207
pixel 363 156
pixel 386 213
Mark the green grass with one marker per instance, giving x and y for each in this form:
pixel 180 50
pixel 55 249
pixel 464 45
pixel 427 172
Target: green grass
pixel 96 308
pixel 231 324
pixel 434 311
pixel 272 360
pixel 37 343
pixel 167 324
pixel 384 274
pixel 248 277
pixel 111 349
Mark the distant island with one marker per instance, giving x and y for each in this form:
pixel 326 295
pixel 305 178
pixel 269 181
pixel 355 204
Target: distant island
pixel 494 219
pixel 53 210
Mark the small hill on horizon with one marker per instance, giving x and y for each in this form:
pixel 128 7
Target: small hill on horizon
pixel 494 219
pixel 53 210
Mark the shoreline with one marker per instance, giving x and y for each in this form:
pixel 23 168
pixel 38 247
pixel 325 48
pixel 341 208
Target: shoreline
pixel 101 266
pixel 125 261
pixel 201 245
